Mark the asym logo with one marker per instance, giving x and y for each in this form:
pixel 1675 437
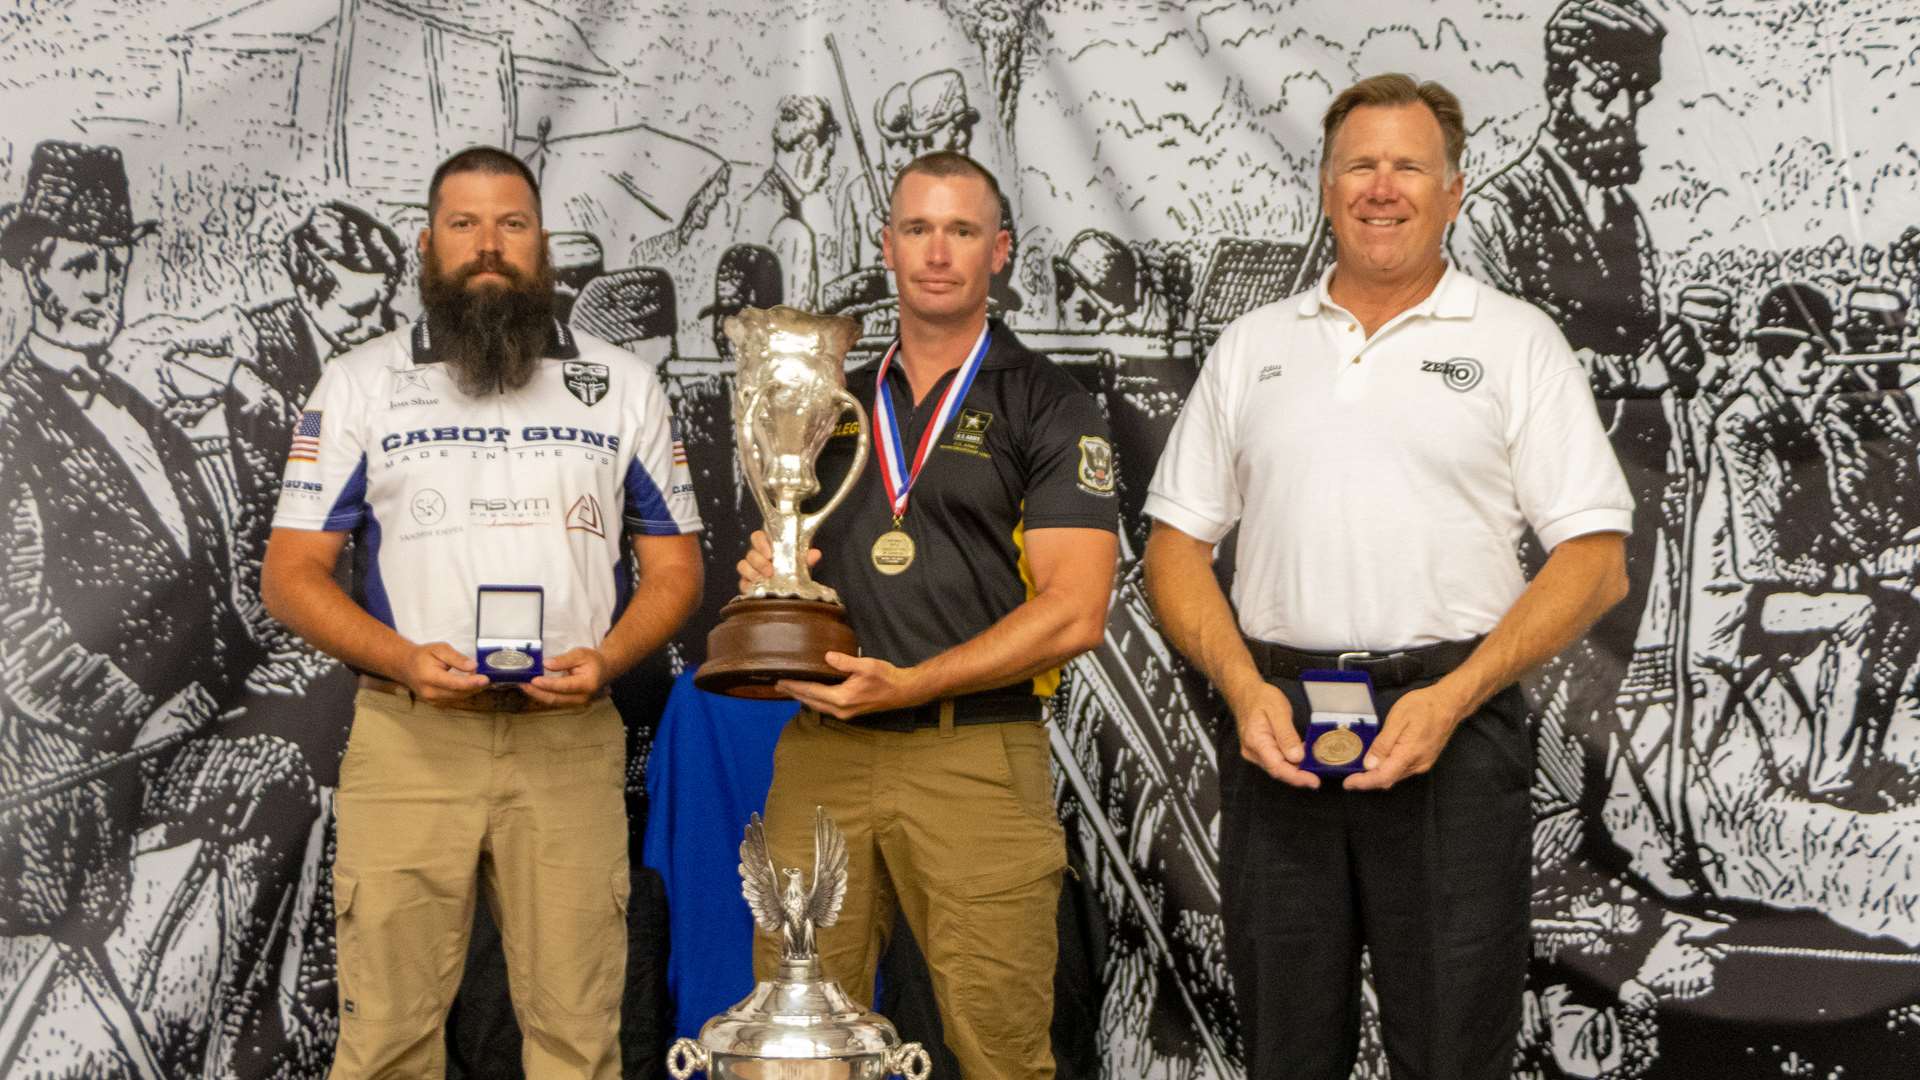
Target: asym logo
pixel 1461 373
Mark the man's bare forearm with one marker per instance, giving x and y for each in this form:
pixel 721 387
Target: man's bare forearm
pixel 666 592
pixel 1583 577
pixel 299 590
pixel 1194 612
pixel 1041 634
pixel 1064 618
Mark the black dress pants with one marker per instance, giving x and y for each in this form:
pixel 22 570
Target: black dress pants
pixel 1431 876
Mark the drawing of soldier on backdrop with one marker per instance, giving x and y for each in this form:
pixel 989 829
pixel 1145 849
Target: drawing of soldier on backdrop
pixel 1820 461
pixel 788 209
pixel 121 643
pixel 1560 227
pixel 930 114
pixel 1103 283
pixel 345 266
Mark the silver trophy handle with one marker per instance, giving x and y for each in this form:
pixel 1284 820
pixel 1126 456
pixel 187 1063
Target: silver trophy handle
pixel 687 1057
pixel 811 522
pixel 908 1059
pixel 750 464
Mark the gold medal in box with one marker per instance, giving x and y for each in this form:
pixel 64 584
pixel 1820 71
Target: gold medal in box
pixel 1343 722
pixel 1337 747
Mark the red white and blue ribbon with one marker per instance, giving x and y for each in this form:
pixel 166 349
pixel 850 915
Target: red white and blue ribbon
pixel 895 472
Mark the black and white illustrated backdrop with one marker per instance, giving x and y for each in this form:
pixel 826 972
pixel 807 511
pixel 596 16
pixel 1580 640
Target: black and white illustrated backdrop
pixel 205 200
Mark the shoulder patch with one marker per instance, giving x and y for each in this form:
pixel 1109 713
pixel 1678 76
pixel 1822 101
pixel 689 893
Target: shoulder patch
pixel 1096 465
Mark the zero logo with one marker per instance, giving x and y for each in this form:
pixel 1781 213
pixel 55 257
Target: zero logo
pixel 1462 373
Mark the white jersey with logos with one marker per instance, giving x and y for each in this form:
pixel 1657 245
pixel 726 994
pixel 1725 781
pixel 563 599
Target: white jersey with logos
pixel 448 492
pixel 1382 486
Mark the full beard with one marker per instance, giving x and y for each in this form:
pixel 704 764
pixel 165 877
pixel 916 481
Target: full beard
pixel 1608 156
pixel 491 338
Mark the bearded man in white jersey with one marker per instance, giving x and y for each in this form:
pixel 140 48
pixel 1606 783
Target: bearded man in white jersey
pixel 487 456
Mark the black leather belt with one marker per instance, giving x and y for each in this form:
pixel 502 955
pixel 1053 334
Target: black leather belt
pixel 1387 668
pixel 985 707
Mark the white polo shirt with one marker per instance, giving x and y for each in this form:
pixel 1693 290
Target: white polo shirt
pixel 1382 486
pixel 448 492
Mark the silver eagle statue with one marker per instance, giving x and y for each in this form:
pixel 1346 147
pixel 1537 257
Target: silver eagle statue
pixel 798 1024
pixel 794 911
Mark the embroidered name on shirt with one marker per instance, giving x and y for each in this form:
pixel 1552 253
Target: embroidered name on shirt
pixel 1271 371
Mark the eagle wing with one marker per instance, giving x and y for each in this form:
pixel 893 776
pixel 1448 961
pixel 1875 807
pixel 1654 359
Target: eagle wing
pixel 758 881
pixel 829 870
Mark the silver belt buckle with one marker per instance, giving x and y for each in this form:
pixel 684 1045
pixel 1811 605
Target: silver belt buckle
pixel 1340 662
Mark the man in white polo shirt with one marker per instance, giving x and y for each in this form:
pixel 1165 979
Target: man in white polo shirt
pixel 1382 441
pixel 488 446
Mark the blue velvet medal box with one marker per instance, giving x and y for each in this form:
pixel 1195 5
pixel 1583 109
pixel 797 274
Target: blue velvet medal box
pixel 508 622
pixel 1343 723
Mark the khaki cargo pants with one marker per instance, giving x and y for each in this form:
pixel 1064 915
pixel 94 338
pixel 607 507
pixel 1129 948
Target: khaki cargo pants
pixel 434 802
pixel 955 826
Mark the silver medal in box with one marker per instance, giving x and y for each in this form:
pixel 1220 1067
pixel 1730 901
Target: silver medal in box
pixel 508 622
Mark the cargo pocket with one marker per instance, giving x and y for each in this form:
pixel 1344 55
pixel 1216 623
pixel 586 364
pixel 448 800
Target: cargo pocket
pixel 995 939
pixel 389 951
pixel 582 960
pixel 614 976
pixel 346 940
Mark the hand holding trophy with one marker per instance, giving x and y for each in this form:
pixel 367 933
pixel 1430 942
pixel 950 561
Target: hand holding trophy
pixel 789 392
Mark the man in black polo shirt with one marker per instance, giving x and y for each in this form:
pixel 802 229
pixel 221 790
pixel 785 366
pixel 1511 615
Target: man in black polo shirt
pixel 975 560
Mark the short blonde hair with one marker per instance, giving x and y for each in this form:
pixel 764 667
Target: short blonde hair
pixel 1397 89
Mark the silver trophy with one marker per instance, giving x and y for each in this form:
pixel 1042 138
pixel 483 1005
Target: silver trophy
pixel 789 394
pixel 799 1025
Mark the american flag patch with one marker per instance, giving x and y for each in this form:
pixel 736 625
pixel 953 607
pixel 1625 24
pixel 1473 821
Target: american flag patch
pixel 306 439
pixel 679 452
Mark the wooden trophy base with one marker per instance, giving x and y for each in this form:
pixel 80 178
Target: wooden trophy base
pixel 760 641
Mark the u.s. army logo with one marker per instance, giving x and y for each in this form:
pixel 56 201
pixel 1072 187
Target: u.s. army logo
pixel 588 382
pixel 970 431
pixel 1096 465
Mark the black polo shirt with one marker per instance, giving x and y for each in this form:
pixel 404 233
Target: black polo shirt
pixel 1028 449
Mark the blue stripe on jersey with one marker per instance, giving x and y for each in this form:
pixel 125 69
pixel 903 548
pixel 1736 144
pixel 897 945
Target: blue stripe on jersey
pixel 373 589
pixel 622 587
pixel 646 509
pixel 351 507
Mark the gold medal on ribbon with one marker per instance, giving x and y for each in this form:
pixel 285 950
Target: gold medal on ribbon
pixel 1337 747
pixel 893 552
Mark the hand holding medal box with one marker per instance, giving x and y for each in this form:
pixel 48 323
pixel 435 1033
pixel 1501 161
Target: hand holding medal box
pixel 1343 723
pixel 508 623
pixel 788 394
